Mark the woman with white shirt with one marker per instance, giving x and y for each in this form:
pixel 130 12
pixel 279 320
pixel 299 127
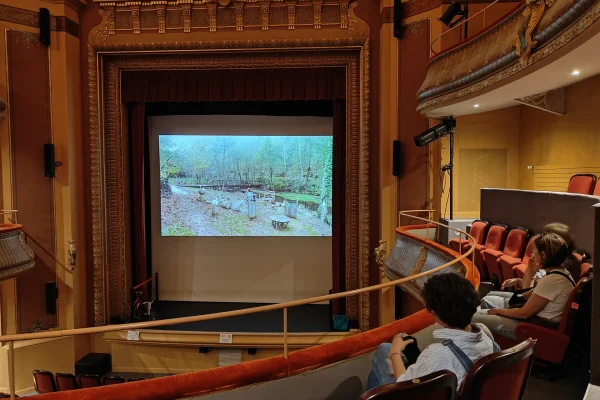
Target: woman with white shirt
pixel 546 300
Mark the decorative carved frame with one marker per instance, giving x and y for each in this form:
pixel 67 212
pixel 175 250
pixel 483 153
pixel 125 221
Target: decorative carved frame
pixel 109 55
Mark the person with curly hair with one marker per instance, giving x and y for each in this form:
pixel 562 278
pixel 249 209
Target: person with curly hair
pixel 452 300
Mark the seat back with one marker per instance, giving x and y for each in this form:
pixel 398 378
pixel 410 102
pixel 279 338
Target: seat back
pixel 516 242
pixel 44 381
pixel 502 375
pixel 66 382
pixel 596 191
pixel 478 230
pixel 440 385
pixel 113 380
pixel 495 237
pixel 587 268
pixel 573 305
pixel 88 381
pixel 582 183
pixel 136 379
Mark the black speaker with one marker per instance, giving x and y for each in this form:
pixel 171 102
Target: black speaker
pixel 51 296
pixel 44 26
pixel 396 158
pixel 398 17
pixel 49 162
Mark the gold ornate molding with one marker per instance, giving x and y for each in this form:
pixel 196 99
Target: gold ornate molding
pixel 109 55
pixel 552 101
pixel 159 16
pixel 523 41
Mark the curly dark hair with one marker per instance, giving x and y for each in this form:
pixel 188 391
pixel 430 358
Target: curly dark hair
pixel 452 298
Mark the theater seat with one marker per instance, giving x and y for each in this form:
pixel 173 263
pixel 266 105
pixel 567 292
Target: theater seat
pixel 440 385
pixel 515 267
pixel 494 241
pixel 514 247
pixel 552 344
pixel 582 183
pixel 596 191
pixel 88 381
pixel 66 382
pixel 44 381
pixel 587 268
pixel 113 380
pixel 502 375
pixel 478 231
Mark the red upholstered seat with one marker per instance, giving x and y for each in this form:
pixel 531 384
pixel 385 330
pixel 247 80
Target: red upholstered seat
pixel 514 247
pixel 44 381
pixel 515 267
pixel 596 191
pixel 587 268
pixel 502 375
pixel 66 382
pixel 89 381
pixel 552 344
pixel 113 380
pixel 494 241
pixel 440 385
pixel 478 231
pixel 582 183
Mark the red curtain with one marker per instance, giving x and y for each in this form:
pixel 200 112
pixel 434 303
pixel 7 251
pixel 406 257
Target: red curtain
pixel 138 193
pixel 339 201
pixel 235 85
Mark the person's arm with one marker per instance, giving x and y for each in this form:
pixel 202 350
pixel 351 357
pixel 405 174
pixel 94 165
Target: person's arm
pixel 398 346
pixel 534 305
pixel 532 269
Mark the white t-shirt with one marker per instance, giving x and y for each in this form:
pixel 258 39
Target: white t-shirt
pixel 556 289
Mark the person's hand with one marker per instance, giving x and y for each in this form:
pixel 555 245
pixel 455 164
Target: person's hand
pixel 517 283
pixel 493 311
pixel 532 265
pixel 399 344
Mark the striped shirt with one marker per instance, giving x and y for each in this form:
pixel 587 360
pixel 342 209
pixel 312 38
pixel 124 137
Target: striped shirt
pixel 437 357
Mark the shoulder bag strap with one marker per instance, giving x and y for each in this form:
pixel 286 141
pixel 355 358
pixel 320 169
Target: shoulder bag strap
pixel 562 274
pixel 462 357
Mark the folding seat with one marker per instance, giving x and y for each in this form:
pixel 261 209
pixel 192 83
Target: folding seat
pixel 440 385
pixel 66 382
pixel 88 381
pixel 582 183
pixel 494 241
pixel 113 380
pixel 44 381
pixel 552 344
pixel 478 230
pixel 515 267
pixel 514 247
pixel 587 268
pixel 596 191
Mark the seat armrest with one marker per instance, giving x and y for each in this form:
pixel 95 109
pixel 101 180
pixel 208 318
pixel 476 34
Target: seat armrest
pixel 509 260
pixel 493 253
pixel 551 345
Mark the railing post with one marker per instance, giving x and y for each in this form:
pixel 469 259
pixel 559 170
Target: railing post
pixel 285 333
pixel 11 369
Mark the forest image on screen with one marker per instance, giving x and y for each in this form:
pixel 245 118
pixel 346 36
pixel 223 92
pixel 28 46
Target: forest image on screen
pixel 245 185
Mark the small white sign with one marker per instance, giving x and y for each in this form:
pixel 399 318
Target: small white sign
pixel 226 338
pixel 133 335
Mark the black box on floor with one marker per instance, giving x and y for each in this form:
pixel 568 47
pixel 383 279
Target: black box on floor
pixel 94 363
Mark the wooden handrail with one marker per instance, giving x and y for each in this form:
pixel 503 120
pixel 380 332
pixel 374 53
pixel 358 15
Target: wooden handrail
pixel 206 317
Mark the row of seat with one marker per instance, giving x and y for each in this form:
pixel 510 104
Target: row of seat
pixel 45 381
pixel 584 184
pixel 500 375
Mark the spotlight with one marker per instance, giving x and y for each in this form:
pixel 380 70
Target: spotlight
pixel 452 11
pixel 476 106
pixel 575 72
pixel 431 135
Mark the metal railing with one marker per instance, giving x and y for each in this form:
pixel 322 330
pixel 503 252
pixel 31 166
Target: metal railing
pixel 207 317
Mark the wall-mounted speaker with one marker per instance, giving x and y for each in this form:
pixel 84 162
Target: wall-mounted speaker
pixel 396 167
pixel 51 296
pixel 398 17
pixel 49 162
pixel 44 21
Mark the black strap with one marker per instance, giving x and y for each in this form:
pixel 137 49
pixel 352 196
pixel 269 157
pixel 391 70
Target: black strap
pixel 462 357
pixel 562 274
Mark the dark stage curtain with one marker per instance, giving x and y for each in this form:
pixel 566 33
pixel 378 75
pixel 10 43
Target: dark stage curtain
pixel 138 193
pixel 235 85
pixel 339 204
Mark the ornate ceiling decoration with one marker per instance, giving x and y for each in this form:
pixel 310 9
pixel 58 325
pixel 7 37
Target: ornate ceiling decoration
pixel 161 16
pixel 529 35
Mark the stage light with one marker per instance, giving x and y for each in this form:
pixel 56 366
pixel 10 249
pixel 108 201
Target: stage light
pixel 431 135
pixel 575 72
pixel 452 11
pixel 476 106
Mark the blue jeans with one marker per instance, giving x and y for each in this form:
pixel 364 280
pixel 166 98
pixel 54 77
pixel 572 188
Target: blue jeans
pixel 380 373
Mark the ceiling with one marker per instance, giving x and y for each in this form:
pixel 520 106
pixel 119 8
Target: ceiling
pixel 584 58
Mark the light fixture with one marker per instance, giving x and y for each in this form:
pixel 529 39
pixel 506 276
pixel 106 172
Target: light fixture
pixel 575 72
pixel 476 106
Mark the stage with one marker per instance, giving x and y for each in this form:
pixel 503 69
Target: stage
pixel 301 319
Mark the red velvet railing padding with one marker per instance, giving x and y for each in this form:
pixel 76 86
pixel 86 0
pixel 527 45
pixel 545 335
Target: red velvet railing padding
pixel 252 372
pixel 234 85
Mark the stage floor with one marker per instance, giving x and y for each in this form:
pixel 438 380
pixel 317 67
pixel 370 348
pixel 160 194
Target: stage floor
pixel 307 318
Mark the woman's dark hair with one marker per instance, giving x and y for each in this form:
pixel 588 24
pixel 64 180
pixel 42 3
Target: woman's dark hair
pixel 452 298
pixel 554 247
